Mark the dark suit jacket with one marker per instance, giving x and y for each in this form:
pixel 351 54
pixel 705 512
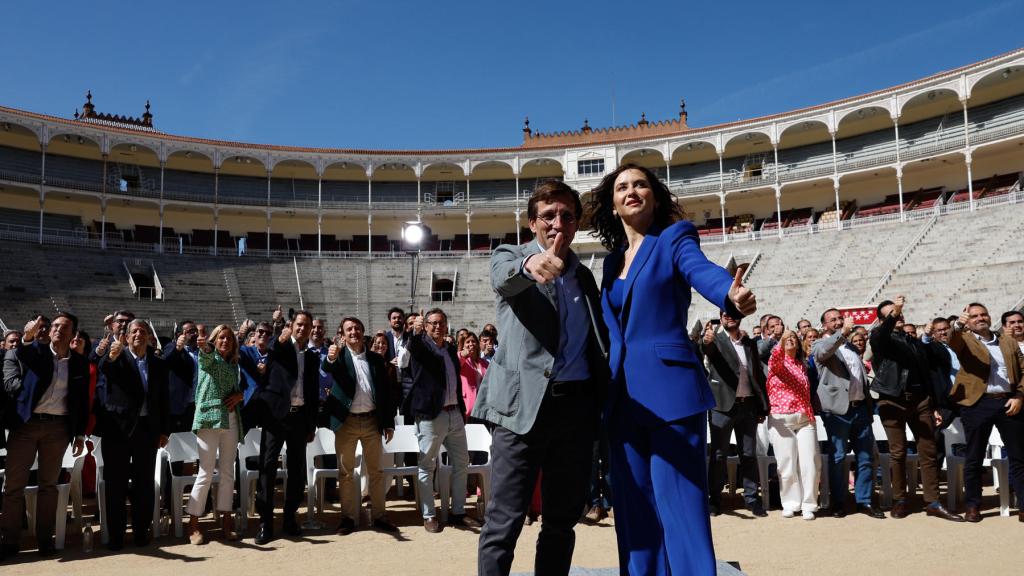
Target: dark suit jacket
pixel 181 376
pixel 28 372
pixel 282 372
pixel 725 366
pixel 119 401
pixel 343 391
pixel 429 379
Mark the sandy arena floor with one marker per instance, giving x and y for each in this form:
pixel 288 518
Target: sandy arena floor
pixel 856 545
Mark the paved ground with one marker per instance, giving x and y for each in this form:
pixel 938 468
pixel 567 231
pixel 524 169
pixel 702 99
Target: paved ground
pixel 856 545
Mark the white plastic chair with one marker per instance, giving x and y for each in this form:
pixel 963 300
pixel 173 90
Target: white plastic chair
pixel 954 434
pixel 323 445
pixel 763 462
pixel 824 493
pixel 101 495
pixel 478 439
pixel 250 447
pixel 884 461
pixel 73 465
pixel 403 442
pixel 182 447
pixel 1000 471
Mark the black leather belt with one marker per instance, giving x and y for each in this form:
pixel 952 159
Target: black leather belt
pixel 997 395
pixel 742 399
pixel 369 414
pixel 48 417
pixel 294 409
pixel 856 403
pixel 566 388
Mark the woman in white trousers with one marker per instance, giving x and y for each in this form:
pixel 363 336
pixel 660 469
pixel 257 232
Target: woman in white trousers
pixel 792 430
pixel 218 427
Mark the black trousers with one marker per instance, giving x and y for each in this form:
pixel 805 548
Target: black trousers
pixel 128 466
pixel 743 419
pixel 978 420
pixel 276 434
pixel 560 444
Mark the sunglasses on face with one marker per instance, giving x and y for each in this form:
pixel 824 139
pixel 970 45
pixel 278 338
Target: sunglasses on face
pixel 263 332
pixel 549 217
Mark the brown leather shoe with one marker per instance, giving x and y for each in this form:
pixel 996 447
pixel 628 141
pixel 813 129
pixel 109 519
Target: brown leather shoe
pixel 1020 515
pixel 972 514
pixel 939 511
pixel 899 510
pixel 596 514
pixel 432 525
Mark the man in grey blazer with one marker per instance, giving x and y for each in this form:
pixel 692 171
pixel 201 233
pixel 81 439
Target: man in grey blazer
pixel 544 387
pixel 846 413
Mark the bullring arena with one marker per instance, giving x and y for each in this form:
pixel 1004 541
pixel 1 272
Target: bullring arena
pixel 914 189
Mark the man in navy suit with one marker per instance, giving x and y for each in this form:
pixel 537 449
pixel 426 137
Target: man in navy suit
pixel 183 355
pixel 49 384
pixel 133 420
pixel 288 403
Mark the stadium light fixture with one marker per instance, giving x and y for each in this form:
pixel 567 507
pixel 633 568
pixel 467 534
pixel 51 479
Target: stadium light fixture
pixel 412 233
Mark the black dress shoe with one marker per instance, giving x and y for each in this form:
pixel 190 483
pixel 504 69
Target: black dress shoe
pixel 8 551
pixel 115 545
pixel 837 512
pixel 714 509
pixel 46 550
pixel 899 510
pixel 757 509
pixel 870 510
pixel 142 538
pixel 385 526
pixel 972 515
pixel 345 527
pixel 464 521
pixel 939 511
pixel 291 526
pixel 264 534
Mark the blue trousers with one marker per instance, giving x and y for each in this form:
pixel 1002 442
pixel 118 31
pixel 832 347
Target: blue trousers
pixel 854 428
pixel 659 478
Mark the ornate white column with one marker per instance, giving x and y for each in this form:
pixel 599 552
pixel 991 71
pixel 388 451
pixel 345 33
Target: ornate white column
pixel 967 155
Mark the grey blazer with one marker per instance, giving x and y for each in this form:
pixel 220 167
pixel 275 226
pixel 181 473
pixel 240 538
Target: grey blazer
pixel 833 375
pixel 528 322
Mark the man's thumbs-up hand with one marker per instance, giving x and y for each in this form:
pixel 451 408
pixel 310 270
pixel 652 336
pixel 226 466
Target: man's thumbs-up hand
pixel 547 265
pixel 741 296
pixel 118 346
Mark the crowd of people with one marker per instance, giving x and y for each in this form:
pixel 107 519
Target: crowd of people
pixel 220 383
pixel 595 391
pixel 912 377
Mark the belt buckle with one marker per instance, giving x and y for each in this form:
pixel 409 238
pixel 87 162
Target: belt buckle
pixel 293 409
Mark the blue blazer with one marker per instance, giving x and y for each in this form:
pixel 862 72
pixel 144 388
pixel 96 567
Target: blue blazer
pixel 650 354
pixel 248 360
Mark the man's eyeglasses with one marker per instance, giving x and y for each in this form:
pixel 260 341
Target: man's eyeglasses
pixel 263 332
pixel 549 217
pixel 437 323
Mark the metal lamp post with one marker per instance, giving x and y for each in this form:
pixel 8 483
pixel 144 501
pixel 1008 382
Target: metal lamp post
pixel 412 236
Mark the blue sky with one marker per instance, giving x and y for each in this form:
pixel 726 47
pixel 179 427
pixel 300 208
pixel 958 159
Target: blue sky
pixel 415 74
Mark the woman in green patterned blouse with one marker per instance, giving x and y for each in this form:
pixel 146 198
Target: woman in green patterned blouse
pixel 218 426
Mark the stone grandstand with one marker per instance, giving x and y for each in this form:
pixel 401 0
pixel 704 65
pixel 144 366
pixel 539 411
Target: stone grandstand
pixel 940 259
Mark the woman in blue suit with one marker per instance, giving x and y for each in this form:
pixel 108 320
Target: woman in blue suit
pixel 657 409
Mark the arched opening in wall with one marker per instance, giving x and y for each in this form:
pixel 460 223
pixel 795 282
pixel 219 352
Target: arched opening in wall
pixel 442 289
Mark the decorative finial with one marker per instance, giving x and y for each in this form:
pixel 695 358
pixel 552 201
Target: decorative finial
pixel 682 110
pixel 526 126
pixel 88 96
pixel 643 119
pixel 586 126
pixel 76 113
pixel 147 117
